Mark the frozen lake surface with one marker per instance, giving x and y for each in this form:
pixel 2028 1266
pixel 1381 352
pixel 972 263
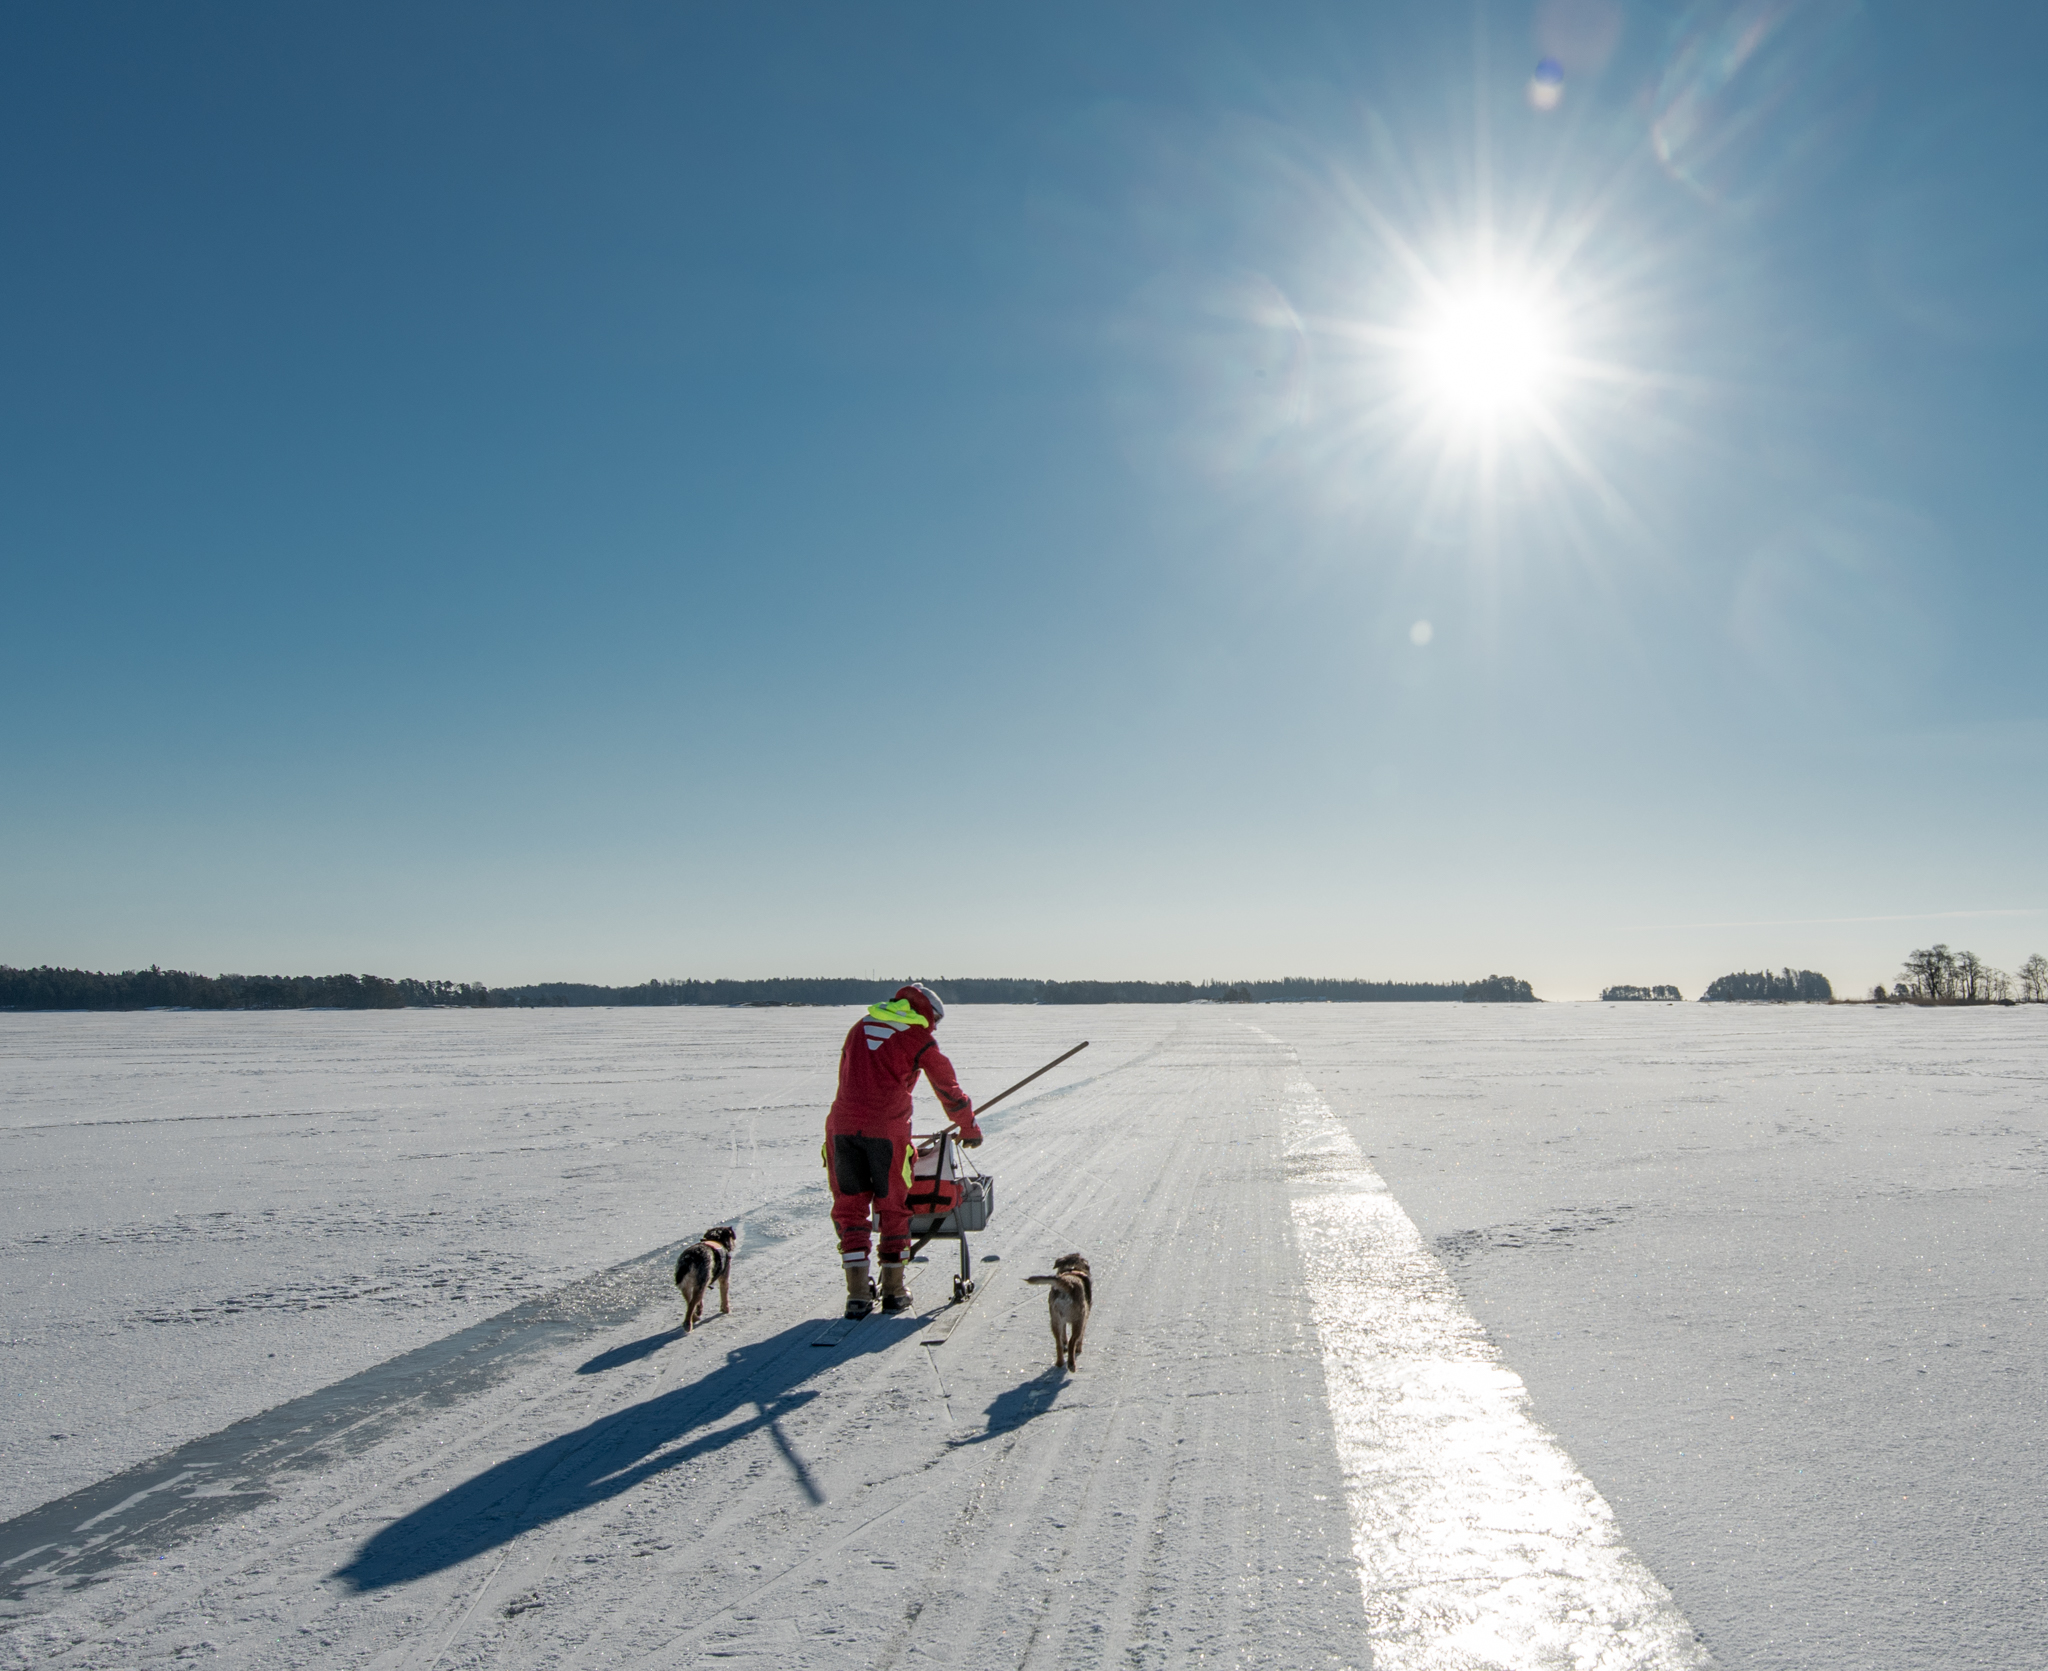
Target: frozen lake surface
pixel 1771 1279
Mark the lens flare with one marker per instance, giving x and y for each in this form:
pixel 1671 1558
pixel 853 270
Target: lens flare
pixel 1760 96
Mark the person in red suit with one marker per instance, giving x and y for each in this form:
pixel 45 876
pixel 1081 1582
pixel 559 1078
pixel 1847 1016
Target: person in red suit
pixel 867 1135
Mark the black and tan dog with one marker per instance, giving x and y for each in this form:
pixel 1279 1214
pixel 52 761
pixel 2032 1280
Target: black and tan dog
pixel 701 1265
pixel 1071 1299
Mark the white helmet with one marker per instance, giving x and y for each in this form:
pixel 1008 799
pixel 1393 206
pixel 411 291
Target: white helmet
pixel 937 1004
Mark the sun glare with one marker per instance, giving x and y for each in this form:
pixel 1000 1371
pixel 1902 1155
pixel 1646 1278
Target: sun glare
pixel 1486 355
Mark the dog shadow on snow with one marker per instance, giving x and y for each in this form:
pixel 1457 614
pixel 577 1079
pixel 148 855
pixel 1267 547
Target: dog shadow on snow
pixel 619 1356
pixel 762 1383
pixel 1012 1409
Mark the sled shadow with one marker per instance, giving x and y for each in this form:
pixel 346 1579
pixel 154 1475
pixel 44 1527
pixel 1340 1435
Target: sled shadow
pixel 1012 1409
pixel 619 1356
pixel 605 1458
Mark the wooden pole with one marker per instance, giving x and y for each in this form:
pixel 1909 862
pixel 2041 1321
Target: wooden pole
pixel 1027 1079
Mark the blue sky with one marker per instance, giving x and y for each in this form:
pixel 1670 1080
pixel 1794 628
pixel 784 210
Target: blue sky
pixel 533 492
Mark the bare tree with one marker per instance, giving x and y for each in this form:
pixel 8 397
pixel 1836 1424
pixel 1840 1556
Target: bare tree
pixel 1931 973
pixel 1999 990
pixel 2034 980
pixel 1970 978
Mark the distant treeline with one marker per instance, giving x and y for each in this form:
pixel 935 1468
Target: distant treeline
pixel 1641 995
pixel 983 990
pixel 143 989
pixel 149 989
pixel 1787 986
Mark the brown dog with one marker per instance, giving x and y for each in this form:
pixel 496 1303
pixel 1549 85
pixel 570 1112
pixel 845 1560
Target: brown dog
pixel 702 1264
pixel 1071 1299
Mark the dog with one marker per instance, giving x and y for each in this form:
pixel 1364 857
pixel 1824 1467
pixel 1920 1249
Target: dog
pixel 1071 1299
pixel 702 1264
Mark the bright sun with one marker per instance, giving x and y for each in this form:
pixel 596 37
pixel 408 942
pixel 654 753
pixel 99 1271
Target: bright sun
pixel 1486 355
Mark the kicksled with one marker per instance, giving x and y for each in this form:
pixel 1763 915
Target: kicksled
pixel 950 1199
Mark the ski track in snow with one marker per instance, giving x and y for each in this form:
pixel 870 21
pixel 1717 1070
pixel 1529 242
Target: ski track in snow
pixel 1289 1443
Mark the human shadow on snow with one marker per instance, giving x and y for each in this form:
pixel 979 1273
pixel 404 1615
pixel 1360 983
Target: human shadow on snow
pixel 611 1455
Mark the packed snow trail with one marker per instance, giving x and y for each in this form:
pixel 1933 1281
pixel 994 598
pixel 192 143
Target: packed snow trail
pixel 1187 1496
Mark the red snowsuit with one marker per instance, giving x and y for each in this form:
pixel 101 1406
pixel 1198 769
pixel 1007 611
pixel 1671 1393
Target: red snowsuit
pixel 867 1134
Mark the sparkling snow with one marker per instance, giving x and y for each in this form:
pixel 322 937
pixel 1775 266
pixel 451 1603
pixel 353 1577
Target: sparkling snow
pixel 1770 1277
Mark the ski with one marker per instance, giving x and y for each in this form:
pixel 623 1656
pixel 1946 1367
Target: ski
pixel 840 1327
pixel 836 1331
pixel 943 1325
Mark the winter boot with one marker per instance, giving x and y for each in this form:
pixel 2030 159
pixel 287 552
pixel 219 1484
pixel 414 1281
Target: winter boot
pixel 895 1297
pixel 860 1292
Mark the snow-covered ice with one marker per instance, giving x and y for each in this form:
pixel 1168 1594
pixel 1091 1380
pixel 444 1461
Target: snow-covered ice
pixel 1764 1282
pixel 1774 1276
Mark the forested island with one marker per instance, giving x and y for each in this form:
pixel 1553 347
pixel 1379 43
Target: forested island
pixel 1641 995
pixel 153 988
pixel 1787 986
pixel 1500 989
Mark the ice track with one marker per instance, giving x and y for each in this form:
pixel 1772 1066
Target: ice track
pixel 740 1495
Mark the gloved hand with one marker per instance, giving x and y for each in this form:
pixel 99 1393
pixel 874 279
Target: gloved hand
pixel 970 1133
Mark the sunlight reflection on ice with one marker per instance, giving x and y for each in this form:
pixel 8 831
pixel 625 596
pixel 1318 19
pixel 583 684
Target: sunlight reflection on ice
pixel 1480 1543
